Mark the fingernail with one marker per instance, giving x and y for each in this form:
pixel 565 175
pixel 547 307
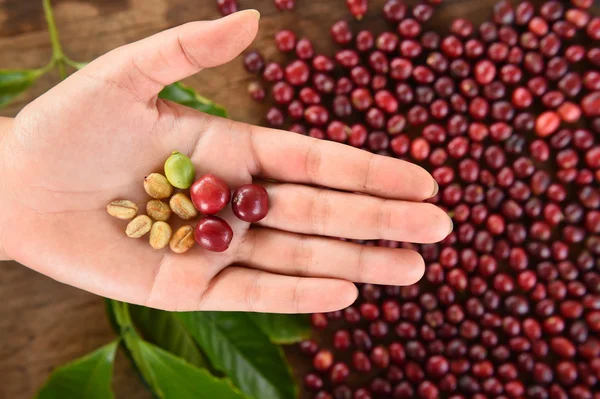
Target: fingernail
pixel 255 13
pixel 451 226
pixel 436 188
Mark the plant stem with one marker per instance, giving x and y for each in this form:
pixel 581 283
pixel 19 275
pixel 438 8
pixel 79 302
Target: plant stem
pixel 74 64
pixel 58 57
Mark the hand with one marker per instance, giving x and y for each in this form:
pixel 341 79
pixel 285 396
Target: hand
pixel 94 137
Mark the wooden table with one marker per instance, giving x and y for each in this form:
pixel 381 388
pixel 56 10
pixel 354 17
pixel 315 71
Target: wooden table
pixel 44 324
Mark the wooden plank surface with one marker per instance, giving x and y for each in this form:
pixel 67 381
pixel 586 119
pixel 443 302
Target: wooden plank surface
pixel 44 324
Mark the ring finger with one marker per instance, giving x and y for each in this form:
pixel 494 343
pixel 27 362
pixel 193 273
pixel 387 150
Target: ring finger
pixel 299 255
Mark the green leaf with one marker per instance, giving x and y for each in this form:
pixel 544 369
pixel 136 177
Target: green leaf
pixel 88 377
pixel 283 328
pixel 185 95
pixel 235 345
pixel 168 376
pixel 173 378
pixel 14 82
pixel 165 330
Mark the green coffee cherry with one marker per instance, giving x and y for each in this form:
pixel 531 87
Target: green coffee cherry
pixel 180 170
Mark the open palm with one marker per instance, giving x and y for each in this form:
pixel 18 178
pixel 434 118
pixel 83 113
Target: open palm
pixel 94 137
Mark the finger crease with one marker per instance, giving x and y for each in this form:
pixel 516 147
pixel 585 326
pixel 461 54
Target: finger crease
pixel 318 212
pixel 384 219
pixel 154 281
pixel 204 294
pixel 296 296
pixel 246 250
pixel 256 165
pixel 326 212
pixel 302 257
pixel 313 161
pixel 164 59
pixel 252 292
pixel 165 109
pixel 145 75
pixel 187 55
pixel 113 83
pixel 197 140
pixel 369 173
pixel 360 267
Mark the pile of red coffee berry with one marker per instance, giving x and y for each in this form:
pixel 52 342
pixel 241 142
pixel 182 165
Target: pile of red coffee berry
pixel 506 116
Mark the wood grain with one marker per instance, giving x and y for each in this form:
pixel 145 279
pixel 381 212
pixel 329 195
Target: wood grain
pixel 44 324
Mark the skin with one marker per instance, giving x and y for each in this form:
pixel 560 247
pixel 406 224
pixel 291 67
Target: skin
pixel 93 138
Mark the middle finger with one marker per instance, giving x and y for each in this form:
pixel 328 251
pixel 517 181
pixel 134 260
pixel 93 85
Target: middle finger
pixel 309 210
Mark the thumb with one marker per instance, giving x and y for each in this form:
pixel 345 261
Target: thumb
pixel 143 68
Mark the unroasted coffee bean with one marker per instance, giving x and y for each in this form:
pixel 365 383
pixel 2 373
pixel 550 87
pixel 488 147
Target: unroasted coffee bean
pixel 182 206
pixel 160 235
pixel 157 186
pixel 182 240
pixel 158 210
pixel 139 226
pixel 122 209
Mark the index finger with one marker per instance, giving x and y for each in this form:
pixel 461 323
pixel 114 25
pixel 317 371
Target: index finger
pixel 290 157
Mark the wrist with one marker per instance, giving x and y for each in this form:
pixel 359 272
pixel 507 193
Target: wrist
pixel 5 128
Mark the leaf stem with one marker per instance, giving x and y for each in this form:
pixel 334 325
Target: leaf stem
pixel 74 64
pixel 58 56
pixel 46 68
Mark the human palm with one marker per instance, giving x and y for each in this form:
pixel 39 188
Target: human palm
pixel 94 137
